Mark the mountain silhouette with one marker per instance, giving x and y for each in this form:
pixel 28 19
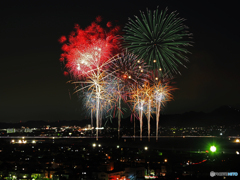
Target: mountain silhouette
pixel 224 115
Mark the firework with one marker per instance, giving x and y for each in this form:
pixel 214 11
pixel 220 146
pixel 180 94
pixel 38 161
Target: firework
pixel 129 71
pixel 148 99
pixel 95 84
pixel 89 99
pixel 161 93
pixel 159 38
pixel 85 56
pixel 149 94
pixel 87 49
pixel 141 97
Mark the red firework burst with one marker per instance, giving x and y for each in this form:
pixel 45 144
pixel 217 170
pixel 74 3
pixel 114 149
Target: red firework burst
pixel 89 48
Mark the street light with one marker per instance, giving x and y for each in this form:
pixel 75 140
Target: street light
pixel 146 148
pixel 94 145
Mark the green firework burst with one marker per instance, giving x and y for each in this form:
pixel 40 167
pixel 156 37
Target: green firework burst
pixel 160 39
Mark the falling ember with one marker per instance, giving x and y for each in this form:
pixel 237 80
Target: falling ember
pixel 62 39
pixel 65 73
pixel 109 24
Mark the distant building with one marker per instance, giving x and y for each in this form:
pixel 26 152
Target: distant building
pixel 11 130
pixel 87 127
pixel 27 130
pixel 134 172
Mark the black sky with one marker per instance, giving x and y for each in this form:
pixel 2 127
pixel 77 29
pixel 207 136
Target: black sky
pixel 32 83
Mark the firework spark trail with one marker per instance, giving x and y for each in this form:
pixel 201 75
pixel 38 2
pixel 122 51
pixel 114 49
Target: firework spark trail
pixel 90 96
pixel 149 94
pixel 87 98
pixel 142 99
pixel 162 94
pixel 148 99
pixel 96 85
pixel 139 100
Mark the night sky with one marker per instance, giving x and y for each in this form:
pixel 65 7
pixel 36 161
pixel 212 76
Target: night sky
pixel 33 86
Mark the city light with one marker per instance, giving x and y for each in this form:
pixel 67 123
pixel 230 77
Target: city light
pixel 213 148
pixel 99 128
pixel 237 140
pixel 151 177
pixel 94 145
pixel 146 148
pixel 165 160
